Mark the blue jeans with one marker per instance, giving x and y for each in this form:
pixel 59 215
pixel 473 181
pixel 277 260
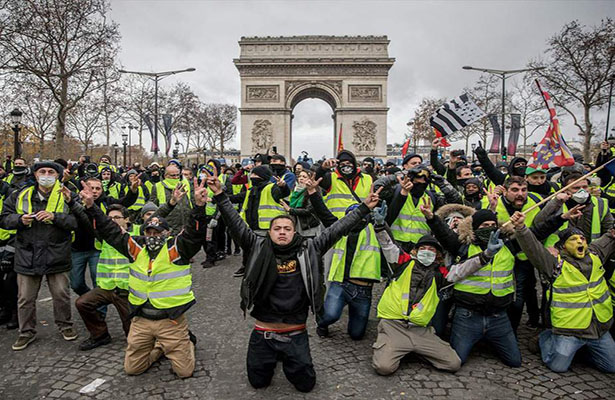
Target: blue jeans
pixel 81 260
pixel 470 326
pixel 558 351
pixel 359 300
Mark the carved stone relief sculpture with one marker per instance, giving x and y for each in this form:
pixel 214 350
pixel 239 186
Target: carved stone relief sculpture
pixel 262 93
pixel 364 137
pixel 262 135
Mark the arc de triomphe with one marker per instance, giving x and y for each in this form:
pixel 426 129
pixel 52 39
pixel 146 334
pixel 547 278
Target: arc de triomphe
pixel 348 72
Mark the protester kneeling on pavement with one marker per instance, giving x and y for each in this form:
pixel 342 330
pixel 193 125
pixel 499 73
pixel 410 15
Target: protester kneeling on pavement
pixel 579 297
pixel 283 279
pixel 410 301
pixel 160 285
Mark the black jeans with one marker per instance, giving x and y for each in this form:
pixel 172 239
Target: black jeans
pixel 264 354
pixel 525 294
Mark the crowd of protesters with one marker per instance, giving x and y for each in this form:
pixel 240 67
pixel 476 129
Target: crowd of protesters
pixel 462 249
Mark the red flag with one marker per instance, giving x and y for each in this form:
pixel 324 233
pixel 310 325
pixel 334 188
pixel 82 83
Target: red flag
pixel 404 149
pixel 443 141
pixel 340 143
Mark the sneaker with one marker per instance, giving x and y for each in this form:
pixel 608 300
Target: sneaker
pixel 322 332
pixel 229 251
pixel 192 338
pixel 237 252
pixel 220 256
pixel 23 341
pixel 208 264
pixel 69 334
pixel 239 273
pixel 533 344
pixel 91 343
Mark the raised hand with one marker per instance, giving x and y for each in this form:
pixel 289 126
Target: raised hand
pixel 563 196
pixel 329 163
pixel 312 186
pixel 66 175
pixel 200 191
pixel 66 194
pixel 494 245
pixel 406 185
pixel 518 220
pixel 135 182
pixel 379 213
pixel 279 181
pixel 435 143
pixel 87 198
pixel 493 197
pixel 214 184
pixel 426 208
pixel 285 206
pixel 373 198
pixel 574 213
pixel 178 193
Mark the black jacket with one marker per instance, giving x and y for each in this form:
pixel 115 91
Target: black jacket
pixel 40 248
pixel 310 255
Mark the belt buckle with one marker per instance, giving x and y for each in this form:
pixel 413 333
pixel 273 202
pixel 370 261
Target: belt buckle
pixel 268 335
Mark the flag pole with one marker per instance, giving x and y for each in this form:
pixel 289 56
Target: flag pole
pixel 562 189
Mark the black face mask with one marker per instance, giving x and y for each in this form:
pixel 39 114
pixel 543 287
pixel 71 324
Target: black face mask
pixel 19 170
pixel 418 189
pixel 256 181
pixel 482 235
pixel 471 197
pixel 519 171
pixel 278 169
pixel 544 189
pixel 154 244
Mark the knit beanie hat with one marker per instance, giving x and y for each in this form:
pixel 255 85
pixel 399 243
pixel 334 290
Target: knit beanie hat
pixel 481 216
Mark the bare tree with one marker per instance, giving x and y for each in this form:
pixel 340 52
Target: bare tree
pixel 138 100
pixel 487 97
pixel 220 124
pixel 66 44
pixel 577 66
pixel 528 103
pixel 86 120
pixel 420 129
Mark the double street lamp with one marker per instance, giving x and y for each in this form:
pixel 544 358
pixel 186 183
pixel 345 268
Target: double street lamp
pixel 176 150
pixel 156 76
pixel 16 120
pixel 503 75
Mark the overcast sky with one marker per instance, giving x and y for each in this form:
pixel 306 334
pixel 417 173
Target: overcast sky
pixel 429 40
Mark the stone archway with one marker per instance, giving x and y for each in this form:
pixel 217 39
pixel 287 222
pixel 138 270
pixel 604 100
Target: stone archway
pixel 349 73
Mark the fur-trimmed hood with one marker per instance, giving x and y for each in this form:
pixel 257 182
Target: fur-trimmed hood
pixel 447 209
pixel 466 232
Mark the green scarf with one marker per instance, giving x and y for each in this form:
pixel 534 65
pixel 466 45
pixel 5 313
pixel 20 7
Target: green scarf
pixel 296 198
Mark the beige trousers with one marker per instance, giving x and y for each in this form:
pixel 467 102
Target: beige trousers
pixel 149 339
pixel 395 340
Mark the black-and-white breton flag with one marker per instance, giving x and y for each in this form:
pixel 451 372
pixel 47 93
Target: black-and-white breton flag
pixel 456 114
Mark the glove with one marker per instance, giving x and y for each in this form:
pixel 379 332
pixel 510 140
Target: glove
pixel 212 223
pixel 437 178
pixel 379 213
pixel 494 245
pixel 480 150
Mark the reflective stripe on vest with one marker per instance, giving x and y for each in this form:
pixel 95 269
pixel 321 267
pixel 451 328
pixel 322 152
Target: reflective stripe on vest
pixel 495 277
pixel 141 200
pixel 340 197
pixel 164 284
pixel 395 300
pixel 410 225
pixel 366 259
pixel 268 208
pixel 112 270
pixel 575 299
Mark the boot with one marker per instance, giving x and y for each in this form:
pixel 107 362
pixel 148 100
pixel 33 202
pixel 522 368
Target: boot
pixel 13 322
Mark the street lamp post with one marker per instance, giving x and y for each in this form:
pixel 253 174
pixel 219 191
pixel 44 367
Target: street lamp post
pixel 16 120
pixel 130 128
pixel 176 150
pixel 473 148
pixel 124 143
pixel 503 75
pixel 608 110
pixel 156 76
pixel 115 146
